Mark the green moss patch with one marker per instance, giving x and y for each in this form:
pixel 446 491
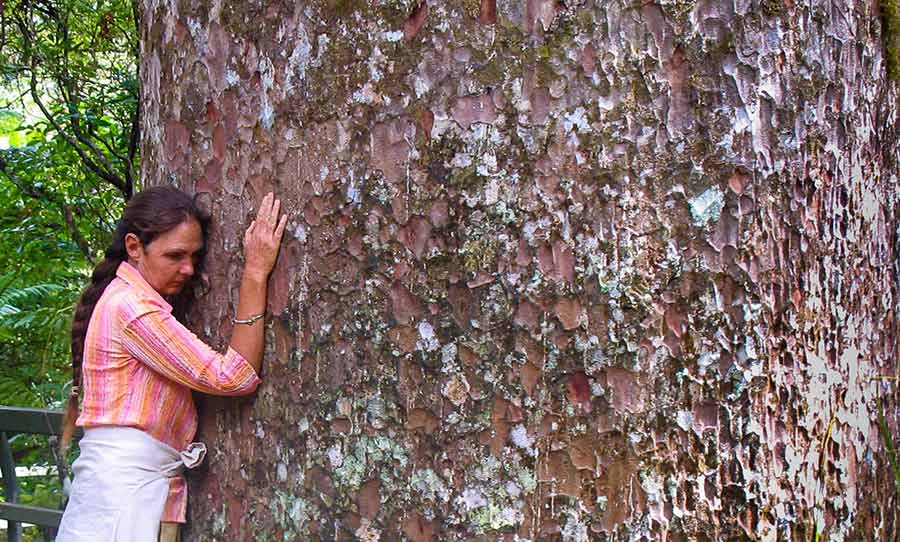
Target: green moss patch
pixel 890 17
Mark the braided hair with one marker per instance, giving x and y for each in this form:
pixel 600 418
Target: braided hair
pixel 147 215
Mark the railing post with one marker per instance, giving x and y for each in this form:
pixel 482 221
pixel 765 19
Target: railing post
pixel 10 486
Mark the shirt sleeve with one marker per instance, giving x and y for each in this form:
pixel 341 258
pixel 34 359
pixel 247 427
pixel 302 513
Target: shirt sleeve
pixel 162 343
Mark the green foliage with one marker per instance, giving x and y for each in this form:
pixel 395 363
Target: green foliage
pixel 890 16
pixel 68 161
pixel 39 311
pixel 34 342
pixel 68 149
pixel 73 66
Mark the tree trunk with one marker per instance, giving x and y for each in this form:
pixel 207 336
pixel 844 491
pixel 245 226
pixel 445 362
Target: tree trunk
pixel 553 270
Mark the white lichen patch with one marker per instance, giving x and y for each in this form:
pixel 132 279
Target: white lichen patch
pixel 300 232
pixel 267 79
pixel 487 166
pixel 684 419
pixel 487 469
pixel 527 480
pixel 707 207
pixel 365 95
pixel 428 341
pixel 461 160
pixel 576 120
pixel 366 457
pixel 456 389
pixel 323 41
pixel 519 436
pixel 201 40
pixel 430 486
pixel 303 425
pixel 706 360
pixel 652 486
pixel 292 513
pixel 335 456
pixel 512 489
pixel 491 192
pixel 489 512
pixel 295 70
pixel 575 529
pixel 367 532
pixel 231 77
pixel 471 499
pixel 449 362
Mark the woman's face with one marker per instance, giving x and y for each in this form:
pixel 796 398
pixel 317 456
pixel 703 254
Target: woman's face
pixel 167 263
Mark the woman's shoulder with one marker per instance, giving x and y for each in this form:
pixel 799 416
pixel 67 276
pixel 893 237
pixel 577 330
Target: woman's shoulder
pixel 129 301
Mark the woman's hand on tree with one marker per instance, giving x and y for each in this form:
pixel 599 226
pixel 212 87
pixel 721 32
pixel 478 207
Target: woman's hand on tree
pixel 263 237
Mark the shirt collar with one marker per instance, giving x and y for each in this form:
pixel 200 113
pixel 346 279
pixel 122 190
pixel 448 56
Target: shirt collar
pixel 132 276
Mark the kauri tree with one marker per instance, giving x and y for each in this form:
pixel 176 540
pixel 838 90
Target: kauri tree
pixel 555 270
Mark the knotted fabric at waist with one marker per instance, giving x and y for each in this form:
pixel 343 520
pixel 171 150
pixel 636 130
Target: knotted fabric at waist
pixel 121 483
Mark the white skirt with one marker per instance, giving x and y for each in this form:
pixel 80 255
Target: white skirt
pixel 121 485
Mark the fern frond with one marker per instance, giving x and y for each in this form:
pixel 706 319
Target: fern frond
pixel 28 295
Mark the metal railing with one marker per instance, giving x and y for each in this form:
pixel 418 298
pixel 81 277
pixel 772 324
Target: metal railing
pixel 37 421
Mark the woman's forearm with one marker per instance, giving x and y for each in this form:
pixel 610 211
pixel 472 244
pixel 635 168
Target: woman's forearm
pixel 247 339
pixel 261 242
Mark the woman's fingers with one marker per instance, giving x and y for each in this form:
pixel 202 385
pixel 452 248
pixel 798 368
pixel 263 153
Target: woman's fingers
pixel 279 231
pixel 271 215
pixel 276 207
pixel 263 237
pixel 269 209
pixel 265 207
pixel 268 222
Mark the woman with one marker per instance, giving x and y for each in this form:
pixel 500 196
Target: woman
pixel 137 365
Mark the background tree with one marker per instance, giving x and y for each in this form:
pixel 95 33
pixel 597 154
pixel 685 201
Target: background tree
pixel 76 62
pixel 68 145
pixel 554 270
pixel 68 154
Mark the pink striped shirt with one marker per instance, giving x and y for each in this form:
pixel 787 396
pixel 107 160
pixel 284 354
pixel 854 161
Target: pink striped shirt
pixel 140 365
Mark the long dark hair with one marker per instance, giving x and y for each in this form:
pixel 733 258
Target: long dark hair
pixel 148 215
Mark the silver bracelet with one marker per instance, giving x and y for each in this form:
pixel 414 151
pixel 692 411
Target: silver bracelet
pixel 248 321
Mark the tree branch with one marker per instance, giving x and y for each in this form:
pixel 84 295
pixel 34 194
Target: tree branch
pixel 106 175
pixel 79 239
pixel 65 83
pixel 134 137
pixel 84 143
pixel 42 195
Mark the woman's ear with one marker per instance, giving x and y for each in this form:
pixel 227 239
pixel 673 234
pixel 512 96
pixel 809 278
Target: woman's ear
pixel 133 247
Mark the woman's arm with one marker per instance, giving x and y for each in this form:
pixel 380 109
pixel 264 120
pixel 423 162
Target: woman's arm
pixel 156 338
pixel 161 342
pixel 261 243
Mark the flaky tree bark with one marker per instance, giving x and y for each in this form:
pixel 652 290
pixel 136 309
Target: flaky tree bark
pixel 581 271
